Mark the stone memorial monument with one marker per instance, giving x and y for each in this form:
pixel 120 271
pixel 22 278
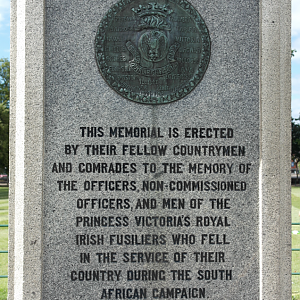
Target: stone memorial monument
pixel 150 150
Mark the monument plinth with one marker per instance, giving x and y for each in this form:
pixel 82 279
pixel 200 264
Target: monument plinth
pixel 150 150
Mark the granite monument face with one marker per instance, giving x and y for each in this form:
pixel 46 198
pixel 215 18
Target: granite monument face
pixel 146 202
pixel 152 159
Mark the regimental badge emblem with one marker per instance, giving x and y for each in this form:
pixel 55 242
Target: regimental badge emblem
pixel 152 52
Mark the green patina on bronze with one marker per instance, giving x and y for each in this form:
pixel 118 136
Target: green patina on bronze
pixel 152 52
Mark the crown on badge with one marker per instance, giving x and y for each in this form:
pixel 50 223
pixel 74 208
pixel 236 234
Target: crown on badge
pixel 152 15
pixel 152 9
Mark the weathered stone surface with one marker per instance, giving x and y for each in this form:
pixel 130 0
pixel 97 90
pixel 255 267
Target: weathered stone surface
pixel 113 199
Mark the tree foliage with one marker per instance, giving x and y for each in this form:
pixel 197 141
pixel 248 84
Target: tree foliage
pixel 296 139
pixel 4 81
pixel 4 138
pixel 4 111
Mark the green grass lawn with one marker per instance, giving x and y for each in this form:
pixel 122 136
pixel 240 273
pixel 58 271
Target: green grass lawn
pixel 296 242
pixel 3 241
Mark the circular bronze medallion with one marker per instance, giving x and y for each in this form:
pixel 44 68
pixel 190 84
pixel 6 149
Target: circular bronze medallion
pixel 152 52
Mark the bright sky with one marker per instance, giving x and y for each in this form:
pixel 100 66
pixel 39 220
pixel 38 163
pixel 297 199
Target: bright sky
pixel 4 47
pixel 296 59
pixel 4 28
